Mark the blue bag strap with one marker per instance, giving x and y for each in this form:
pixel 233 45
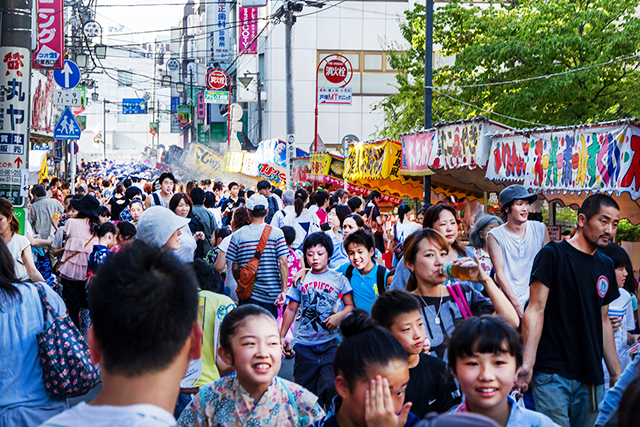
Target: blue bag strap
pixel 302 421
pixel 46 307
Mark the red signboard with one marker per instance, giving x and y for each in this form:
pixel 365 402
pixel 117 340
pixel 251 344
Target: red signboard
pixel 216 79
pixel 335 71
pixel 49 53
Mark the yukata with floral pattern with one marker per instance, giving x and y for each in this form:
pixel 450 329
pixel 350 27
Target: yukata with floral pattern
pixel 229 404
pixel 518 416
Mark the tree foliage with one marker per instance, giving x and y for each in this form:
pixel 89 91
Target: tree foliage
pixel 515 41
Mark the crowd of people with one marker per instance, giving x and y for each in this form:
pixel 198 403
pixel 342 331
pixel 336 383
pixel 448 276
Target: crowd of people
pixel 188 296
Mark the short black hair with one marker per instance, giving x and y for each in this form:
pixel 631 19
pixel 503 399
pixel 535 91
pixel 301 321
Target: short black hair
pixel 235 319
pixel 209 200
pixel 221 233
pixel 391 304
pixel 354 203
pixel 233 184
pixel 263 185
pixel 39 191
pixel 103 211
pixel 594 203
pixel 617 254
pixel 106 228
pixel 365 345
pixel 127 182
pixel 132 192
pixel 289 234
pixel 484 334
pixel 277 191
pixel 197 195
pixel 318 238
pixel 143 303
pixel 166 175
pixel 359 237
pixel 126 230
pixel 218 186
pixel 207 276
pixel 321 197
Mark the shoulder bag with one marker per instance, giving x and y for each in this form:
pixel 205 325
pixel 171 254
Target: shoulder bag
pixel 249 271
pixel 61 263
pixel 67 369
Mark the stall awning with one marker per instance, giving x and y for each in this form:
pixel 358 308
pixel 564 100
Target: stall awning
pixel 567 164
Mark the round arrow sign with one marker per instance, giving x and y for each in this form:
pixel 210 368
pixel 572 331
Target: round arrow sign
pixel 216 79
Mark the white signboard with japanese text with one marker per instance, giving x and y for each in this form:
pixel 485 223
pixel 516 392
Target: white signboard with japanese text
pixel 334 95
pixel 14 120
pixel 218 32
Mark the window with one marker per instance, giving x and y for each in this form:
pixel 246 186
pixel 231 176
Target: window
pixel 125 78
pixel 372 74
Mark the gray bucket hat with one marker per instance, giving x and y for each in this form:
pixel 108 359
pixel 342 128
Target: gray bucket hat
pixel 157 224
pixel 516 192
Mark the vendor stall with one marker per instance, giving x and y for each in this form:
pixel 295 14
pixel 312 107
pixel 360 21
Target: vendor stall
pixel 568 164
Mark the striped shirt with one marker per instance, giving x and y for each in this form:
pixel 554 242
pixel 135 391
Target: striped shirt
pixel 242 247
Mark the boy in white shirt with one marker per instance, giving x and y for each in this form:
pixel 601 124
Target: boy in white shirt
pixel 144 305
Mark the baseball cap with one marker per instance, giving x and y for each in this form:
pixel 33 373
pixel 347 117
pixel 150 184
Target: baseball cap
pixel 257 201
pixel 516 192
pixel 157 224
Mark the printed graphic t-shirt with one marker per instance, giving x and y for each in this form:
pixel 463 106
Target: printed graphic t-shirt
pixel 317 295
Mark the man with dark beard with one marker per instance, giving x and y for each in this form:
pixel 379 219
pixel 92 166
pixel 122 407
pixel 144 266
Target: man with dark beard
pixel 566 327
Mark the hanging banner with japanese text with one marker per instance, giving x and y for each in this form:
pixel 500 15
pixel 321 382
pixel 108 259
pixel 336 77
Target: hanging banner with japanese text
pixel 14 123
pixel 249 164
pixel 49 53
pixel 300 170
pixel 377 160
pixel 233 161
pixel 416 152
pixel 248 31
pixel 218 31
pixel 591 159
pixel 203 161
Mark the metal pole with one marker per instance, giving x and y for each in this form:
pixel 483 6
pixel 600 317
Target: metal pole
pixel 259 108
pixel 428 81
pixel 72 161
pixel 315 134
pixel 15 39
pixel 288 31
pixel 194 128
pixel 104 126
pixel 158 122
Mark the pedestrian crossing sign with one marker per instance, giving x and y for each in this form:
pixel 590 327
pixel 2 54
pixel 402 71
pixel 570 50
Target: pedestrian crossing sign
pixel 67 127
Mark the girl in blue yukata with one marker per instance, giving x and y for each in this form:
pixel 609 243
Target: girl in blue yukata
pixel 252 395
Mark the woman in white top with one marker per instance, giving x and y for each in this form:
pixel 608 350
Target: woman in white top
pixel 302 220
pixel 18 245
pixel 239 219
pixel 181 205
pixel 403 228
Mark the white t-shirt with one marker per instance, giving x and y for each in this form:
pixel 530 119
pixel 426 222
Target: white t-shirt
pixel 230 281
pixel 304 225
pixel 217 215
pixel 16 246
pixel 187 246
pixel 404 230
pixel 144 415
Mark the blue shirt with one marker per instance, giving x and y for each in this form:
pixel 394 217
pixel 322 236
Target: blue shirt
pixel 518 417
pixel 330 419
pixel 365 289
pixel 339 255
pixel 97 257
pixel 22 393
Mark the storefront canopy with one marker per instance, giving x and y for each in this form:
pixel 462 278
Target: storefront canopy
pixel 568 164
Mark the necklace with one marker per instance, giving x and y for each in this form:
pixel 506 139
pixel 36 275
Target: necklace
pixel 437 315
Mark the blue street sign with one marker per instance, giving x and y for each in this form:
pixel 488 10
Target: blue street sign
pixel 67 127
pixel 69 76
pixel 134 106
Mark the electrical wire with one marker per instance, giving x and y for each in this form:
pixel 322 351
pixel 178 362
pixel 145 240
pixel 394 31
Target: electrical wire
pixel 483 109
pixel 546 76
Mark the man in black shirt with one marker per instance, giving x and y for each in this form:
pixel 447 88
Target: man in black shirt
pixel 229 204
pixel 566 328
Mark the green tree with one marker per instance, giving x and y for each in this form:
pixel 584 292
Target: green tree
pixel 515 41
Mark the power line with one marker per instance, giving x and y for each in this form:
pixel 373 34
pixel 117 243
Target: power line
pixel 546 76
pixel 483 109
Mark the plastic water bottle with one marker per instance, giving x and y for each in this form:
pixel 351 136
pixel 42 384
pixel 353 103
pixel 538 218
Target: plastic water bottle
pixel 468 270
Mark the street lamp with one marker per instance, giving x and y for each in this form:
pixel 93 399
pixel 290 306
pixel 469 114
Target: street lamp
pixel 166 80
pixel 101 51
pixel 81 59
pixel 94 96
pixel 179 87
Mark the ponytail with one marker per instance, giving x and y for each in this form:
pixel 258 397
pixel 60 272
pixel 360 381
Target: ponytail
pixel 300 198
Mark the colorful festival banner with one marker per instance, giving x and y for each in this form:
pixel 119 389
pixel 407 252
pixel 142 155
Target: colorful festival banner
pixel 603 158
pixel 249 164
pixel 203 161
pixel 378 160
pixel 232 161
pixel 416 152
pixel 300 169
pixel 247 43
pixel 48 55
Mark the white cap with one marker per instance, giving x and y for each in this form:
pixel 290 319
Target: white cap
pixel 256 201
pixel 157 224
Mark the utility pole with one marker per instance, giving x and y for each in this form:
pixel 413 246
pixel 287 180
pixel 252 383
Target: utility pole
pixel 194 127
pixel 15 54
pixel 289 20
pixel 259 107
pixel 104 126
pixel 428 81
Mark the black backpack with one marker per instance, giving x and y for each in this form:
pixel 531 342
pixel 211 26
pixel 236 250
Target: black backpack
pixel 380 279
pixel 273 208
